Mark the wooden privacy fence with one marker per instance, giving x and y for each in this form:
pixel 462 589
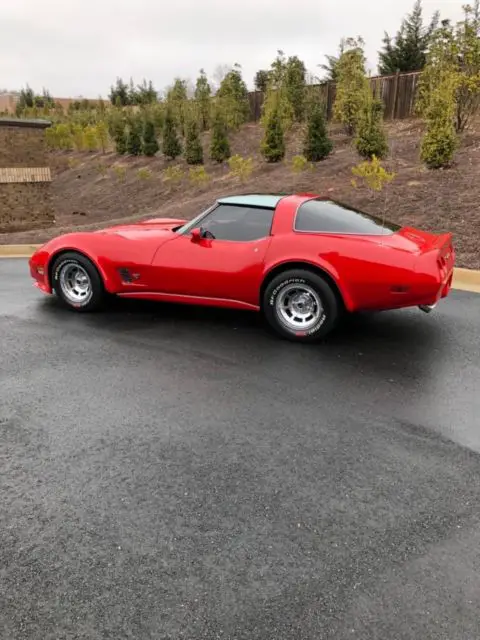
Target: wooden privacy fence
pixel 398 93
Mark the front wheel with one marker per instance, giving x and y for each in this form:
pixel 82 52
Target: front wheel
pixel 300 306
pixel 77 282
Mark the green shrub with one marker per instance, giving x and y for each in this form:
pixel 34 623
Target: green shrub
pixel 352 85
pixel 120 140
pixel 440 140
pixel 371 139
pixel 300 164
pixel 295 85
pixel 134 138
pixel 232 97
pixel 240 168
pixel 219 147
pixel 59 137
pixel 193 145
pixel 202 99
pixel 150 143
pixel 121 173
pixel 198 176
pixel 439 144
pixel 372 175
pixel 102 135
pixel 273 144
pixel 144 173
pixel 317 144
pixel 78 137
pixel 90 138
pixel 172 147
pixel 173 174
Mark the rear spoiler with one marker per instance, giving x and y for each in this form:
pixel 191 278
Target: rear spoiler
pixel 436 242
pixel 442 241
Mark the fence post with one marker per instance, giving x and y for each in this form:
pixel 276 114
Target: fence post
pixel 327 103
pixel 395 94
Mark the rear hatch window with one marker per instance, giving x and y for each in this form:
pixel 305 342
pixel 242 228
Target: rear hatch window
pixel 329 216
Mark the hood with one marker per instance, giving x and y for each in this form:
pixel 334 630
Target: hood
pixel 135 230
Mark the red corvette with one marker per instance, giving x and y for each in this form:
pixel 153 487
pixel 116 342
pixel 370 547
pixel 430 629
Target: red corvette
pixel 302 260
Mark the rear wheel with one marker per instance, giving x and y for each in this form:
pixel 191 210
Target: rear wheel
pixel 300 305
pixel 77 282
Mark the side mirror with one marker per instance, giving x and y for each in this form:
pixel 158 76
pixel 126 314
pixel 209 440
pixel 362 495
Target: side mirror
pixel 201 234
pixel 196 235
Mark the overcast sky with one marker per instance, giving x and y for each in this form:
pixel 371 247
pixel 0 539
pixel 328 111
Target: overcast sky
pixel 79 47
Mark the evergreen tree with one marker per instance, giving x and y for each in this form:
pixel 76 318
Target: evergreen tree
pixel 330 67
pixel 317 145
pixel 352 84
pixel 371 139
pixel 295 86
pixel 220 147
pixel 119 93
pixel 202 97
pixel 90 137
pixel 439 97
pixel 273 144
pixel 102 134
pixel 120 140
pixel 132 93
pixel 277 96
pixel 439 144
pixel 146 93
pixel 116 128
pixel 453 60
pixel 171 144
pixel 134 138
pixel 176 100
pixel 408 51
pixel 150 143
pixel 193 145
pixel 261 80
pixel 233 95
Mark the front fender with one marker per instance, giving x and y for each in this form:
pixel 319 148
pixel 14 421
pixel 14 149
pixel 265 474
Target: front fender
pixel 105 252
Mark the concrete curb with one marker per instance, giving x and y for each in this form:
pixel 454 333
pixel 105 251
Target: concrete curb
pixel 466 280
pixel 463 279
pixel 17 250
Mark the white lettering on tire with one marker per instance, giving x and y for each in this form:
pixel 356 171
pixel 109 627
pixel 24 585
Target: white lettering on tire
pixel 56 273
pixel 271 302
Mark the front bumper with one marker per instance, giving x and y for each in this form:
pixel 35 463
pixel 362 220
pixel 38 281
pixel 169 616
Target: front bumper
pixel 39 272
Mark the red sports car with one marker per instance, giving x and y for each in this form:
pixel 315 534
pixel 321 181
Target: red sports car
pixel 302 260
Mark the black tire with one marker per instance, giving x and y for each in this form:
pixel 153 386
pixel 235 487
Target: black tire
pixel 327 317
pixel 96 295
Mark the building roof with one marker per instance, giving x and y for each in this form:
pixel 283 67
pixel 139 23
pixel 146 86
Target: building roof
pixel 22 122
pixel 269 201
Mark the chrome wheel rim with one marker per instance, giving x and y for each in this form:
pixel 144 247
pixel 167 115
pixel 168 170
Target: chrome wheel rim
pixel 75 284
pixel 299 307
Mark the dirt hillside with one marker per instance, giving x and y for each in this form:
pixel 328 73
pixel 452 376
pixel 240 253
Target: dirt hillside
pixel 91 189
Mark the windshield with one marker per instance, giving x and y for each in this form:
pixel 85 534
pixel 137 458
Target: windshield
pixel 188 226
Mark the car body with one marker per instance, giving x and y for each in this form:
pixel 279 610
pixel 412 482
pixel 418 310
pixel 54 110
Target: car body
pixel 238 254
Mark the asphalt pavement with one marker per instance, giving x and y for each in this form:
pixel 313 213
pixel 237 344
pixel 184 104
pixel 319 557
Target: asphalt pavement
pixel 174 473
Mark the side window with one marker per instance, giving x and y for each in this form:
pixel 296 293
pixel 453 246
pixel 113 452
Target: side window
pixel 239 223
pixel 327 216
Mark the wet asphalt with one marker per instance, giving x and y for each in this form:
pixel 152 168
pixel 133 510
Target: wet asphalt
pixel 171 472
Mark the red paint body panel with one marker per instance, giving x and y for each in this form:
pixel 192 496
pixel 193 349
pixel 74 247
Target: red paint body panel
pixel 406 268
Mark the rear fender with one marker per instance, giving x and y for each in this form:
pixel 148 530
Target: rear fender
pixel 322 268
